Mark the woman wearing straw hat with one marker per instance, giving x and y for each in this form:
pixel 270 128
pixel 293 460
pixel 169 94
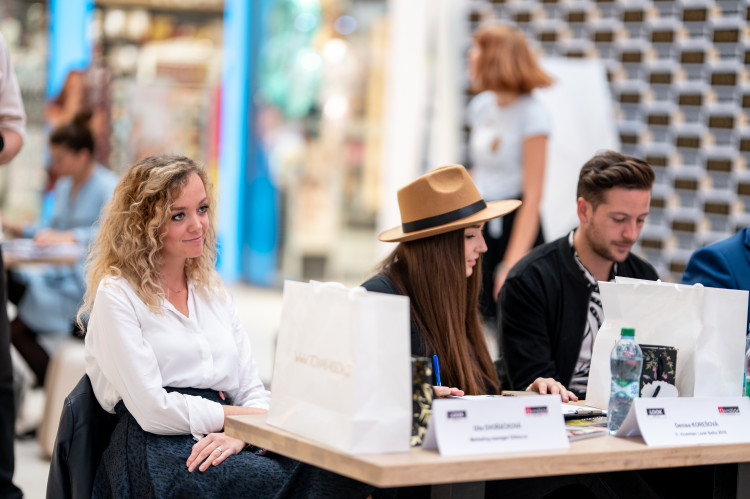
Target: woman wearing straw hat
pixel 437 264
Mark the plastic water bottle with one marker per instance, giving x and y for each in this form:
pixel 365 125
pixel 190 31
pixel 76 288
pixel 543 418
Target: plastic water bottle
pixel 625 362
pixel 746 389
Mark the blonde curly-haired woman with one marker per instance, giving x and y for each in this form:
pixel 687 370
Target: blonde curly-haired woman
pixel 166 352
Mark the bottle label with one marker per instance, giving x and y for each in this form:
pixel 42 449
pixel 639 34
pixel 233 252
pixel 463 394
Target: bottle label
pixel 630 390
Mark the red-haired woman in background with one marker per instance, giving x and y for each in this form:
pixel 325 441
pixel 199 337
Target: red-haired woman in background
pixel 507 147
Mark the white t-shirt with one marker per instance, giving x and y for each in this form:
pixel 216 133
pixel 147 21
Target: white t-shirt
pixel 496 142
pixel 133 353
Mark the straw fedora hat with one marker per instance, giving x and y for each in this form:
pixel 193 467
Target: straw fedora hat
pixel 440 201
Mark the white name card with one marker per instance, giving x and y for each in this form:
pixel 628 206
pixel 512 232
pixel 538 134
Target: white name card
pixel 460 426
pixel 688 421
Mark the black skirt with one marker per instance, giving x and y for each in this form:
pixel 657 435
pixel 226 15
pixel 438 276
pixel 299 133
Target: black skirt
pixel 140 464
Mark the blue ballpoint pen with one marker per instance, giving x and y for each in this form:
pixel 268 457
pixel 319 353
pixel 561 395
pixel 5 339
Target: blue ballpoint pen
pixel 436 365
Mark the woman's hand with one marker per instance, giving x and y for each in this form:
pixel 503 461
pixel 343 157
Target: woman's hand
pixel 549 385
pixel 445 391
pixel 14 229
pixel 212 450
pixel 48 236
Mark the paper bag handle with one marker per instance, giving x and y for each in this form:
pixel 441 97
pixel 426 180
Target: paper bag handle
pixel 355 292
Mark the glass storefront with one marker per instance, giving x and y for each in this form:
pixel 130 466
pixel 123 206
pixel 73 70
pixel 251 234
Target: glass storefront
pixel 158 71
pixel 319 104
pixel 154 85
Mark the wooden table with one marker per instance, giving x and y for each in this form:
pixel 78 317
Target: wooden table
pixel 18 252
pixel 11 261
pixel 465 476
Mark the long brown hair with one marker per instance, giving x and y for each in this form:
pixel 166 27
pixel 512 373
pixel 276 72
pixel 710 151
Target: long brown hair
pixel 444 305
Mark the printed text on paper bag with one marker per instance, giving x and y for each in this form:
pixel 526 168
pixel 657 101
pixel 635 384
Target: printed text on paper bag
pixel 333 366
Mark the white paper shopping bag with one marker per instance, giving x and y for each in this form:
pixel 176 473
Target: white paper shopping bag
pixel 706 325
pixel 342 374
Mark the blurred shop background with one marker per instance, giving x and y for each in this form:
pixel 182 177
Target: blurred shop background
pixel 310 113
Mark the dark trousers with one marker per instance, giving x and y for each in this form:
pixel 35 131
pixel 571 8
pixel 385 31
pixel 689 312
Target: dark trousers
pixel 27 344
pixel 496 247
pixel 25 339
pixel 7 403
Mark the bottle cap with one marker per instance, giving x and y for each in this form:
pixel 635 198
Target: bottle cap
pixel 627 331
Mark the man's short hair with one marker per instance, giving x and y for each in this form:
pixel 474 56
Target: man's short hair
pixel 610 169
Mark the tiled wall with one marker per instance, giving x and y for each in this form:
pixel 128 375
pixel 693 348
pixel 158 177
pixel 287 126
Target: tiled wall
pixel 678 72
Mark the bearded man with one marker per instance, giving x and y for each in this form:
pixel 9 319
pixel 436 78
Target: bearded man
pixel 550 308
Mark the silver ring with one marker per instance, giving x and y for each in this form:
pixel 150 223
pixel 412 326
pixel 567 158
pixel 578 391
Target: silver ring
pixel 219 449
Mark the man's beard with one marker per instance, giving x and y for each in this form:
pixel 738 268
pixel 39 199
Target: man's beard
pixel 605 250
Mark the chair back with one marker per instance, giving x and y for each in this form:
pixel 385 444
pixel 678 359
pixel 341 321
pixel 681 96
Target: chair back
pixel 83 434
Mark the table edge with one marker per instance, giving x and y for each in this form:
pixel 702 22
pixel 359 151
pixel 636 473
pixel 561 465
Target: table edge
pixel 594 455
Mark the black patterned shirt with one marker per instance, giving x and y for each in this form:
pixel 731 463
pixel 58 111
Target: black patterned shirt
pixel 594 321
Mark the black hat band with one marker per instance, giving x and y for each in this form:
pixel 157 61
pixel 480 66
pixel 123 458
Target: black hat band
pixel 443 218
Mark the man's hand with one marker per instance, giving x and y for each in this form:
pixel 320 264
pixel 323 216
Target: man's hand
pixel 549 385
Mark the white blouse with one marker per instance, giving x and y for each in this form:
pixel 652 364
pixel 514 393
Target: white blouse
pixel 133 353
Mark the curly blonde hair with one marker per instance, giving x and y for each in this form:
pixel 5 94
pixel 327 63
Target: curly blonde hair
pixel 129 242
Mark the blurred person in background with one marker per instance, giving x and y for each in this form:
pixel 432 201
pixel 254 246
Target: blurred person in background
pixel 723 264
pixel 507 147
pixel 57 112
pixel 48 301
pixel 12 128
pixel 71 99
pixel 87 90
